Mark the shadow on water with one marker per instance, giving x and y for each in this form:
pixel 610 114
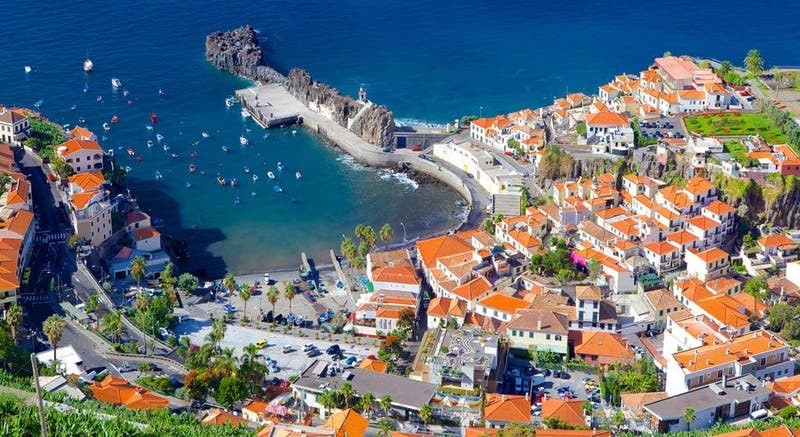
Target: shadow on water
pixel 190 247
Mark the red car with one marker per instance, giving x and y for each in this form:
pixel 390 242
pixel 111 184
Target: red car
pixel 416 149
pixel 52 177
pixel 508 153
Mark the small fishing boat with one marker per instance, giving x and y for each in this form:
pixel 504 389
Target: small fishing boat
pixel 138 159
pixel 153 118
pixel 194 153
pixel 28 69
pixel 230 101
pixel 234 182
pixel 161 92
pixel 245 114
pixel 149 144
pixel 255 177
pixel 243 141
pixel 159 176
pixel 106 127
pixel 280 166
pixel 99 98
pixel 192 168
pixel 114 119
pixel 278 189
pixel 221 181
pixel 159 137
pixel 271 175
pixel 286 132
pixel 226 148
pixel 175 155
pixel 236 200
pixel 246 169
pixel 266 135
pixel 148 127
pixel 125 93
pixel 204 134
pixel 166 148
pixel 81 120
pixel 128 169
pixel 188 184
pixel 110 152
pixel 38 103
pixel 294 131
pixel 88 65
pixel 298 175
pixel 73 107
pixel 116 83
pixel 248 130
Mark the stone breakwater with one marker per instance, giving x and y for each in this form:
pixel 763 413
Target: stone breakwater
pixel 238 52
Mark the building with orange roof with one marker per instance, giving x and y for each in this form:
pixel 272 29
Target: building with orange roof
pixel 15 126
pixel 81 155
pixel 603 348
pixel 16 196
pixel 88 181
pixel 568 412
pixel 785 392
pixel 709 232
pixel 759 353
pixel 255 411
pixel 117 391
pixel 81 133
pixel 220 417
pixel 779 249
pixel 147 239
pixel 16 243
pixel 663 256
pixel 346 423
pixel 538 329
pixel 778 431
pixel 443 310
pixel 677 73
pixel 501 410
pixel 708 264
pixel 608 132
pixel 471 291
pixel 572 433
pixel 392 270
pixel 661 303
pixel 90 214
pixel 8 162
pixel 373 365
pixel 500 306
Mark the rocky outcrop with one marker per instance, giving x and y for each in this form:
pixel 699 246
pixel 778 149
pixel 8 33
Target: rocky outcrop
pixel 375 125
pixel 238 52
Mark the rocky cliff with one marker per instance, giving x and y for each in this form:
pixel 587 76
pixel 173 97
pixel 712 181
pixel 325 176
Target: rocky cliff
pixel 238 52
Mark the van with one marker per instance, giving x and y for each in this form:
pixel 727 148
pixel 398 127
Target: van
pixel 759 414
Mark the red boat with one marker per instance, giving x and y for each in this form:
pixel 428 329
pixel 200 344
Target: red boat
pixel 131 152
pixel 114 119
pixel 191 168
pixel 154 117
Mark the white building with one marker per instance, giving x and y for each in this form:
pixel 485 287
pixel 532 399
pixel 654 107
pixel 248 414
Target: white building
pixel 478 163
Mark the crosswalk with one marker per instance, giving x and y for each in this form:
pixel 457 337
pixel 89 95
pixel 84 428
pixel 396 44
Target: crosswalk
pixel 46 237
pixel 34 298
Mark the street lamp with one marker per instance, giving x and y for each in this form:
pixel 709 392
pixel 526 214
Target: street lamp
pixel 405 238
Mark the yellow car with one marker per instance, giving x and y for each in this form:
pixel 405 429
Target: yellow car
pixel 261 344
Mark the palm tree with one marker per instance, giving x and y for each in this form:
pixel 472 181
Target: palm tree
pixel 347 393
pixel 385 427
pixel 328 400
pixel 386 233
pixel 138 269
pixel 245 294
pixel 14 319
pixel 229 282
pixel 250 352
pixel 348 248
pixel 216 334
pixel 289 292
pixel 426 414
pixel 724 68
pixel 754 62
pixel 689 417
pixel 54 328
pixel 273 294
pixel 386 404
pixel 225 361
pixel 367 403
pixel 112 325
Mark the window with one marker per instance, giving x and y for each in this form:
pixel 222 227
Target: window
pixel 530 334
pixel 558 338
pixel 547 336
pixel 719 374
pixel 763 362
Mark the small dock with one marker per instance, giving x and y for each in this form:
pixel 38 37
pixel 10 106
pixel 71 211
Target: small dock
pixel 269 105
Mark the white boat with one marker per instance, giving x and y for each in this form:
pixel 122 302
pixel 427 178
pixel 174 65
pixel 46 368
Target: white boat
pixel 159 137
pixel 128 169
pixel 234 182
pixel 158 175
pixel 294 131
pixel 166 147
pixel 243 141
pixel 246 169
pixel 28 69
pixel 73 107
pixel 204 134
pixel 255 177
pixel 110 152
pixel 298 175
pixel 188 184
pixel 150 143
pixel 226 148
pixel 116 83
pixel 125 93
pixel 230 101
pixel 106 127
pixel 280 166
pixel 245 114
pixel 148 127
pixel 88 65
pixel 271 175
pixel 266 135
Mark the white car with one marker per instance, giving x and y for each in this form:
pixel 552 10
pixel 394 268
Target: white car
pixel 266 278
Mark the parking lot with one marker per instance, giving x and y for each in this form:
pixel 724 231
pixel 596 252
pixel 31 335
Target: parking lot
pixel 288 363
pixel 665 127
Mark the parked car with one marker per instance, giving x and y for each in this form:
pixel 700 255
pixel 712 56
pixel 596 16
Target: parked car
pixel 288 348
pixel 261 344
pixel 416 149
pixel 313 353
pixel 126 367
pixel 333 349
pixel 229 308
pixel 322 319
pixel 308 346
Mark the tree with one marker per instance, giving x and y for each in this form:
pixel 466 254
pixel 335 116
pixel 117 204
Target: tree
pixel 753 62
pixel 216 334
pixel 347 394
pixel 53 328
pixel 564 276
pixel 273 294
pixel 667 53
pixel 188 282
pixel 348 248
pixel 14 319
pixel 60 167
pixel 757 287
pixel 93 304
pixel 289 292
pixel 386 233
pixel 229 282
pixel 587 407
pixel 385 427
pixel 406 319
pixel 245 295
pixel 328 400
pixel 167 276
pixel 594 267
pixel 689 417
pixel 705 64
pixel 617 420
pixel 138 270
pixel 724 68
pixel 112 325
pixel 224 362
pixel 426 414
pixel 230 391
pixel 386 404
pixel 194 387
pixel 367 403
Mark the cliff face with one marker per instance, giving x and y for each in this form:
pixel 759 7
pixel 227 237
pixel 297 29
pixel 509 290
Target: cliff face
pixel 238 52
pixel 375 125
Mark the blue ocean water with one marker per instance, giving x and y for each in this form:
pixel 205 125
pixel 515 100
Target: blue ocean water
pixel 427 60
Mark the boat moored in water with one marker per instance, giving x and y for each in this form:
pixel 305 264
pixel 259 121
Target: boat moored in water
pixel 234 182
pixel 271 175
pixel 192 168
pixel 221 181
pixel 116 83
pixel 255 177
pixel 243 141
pixel 298 175
pixel 106 127
pixel 278 189
pixel 28 69
pixel 131 152
pixel 226 148
pixel 230 101
pixel 153 118
pixel 88 65
pixel 280 166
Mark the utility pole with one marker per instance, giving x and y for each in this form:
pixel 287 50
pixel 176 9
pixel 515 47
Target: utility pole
pixel 42 422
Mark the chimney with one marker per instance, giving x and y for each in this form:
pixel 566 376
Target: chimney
pixel 503 398
pixel 527 396
pixel 724 379
pixel 728 351
pixel 539 325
